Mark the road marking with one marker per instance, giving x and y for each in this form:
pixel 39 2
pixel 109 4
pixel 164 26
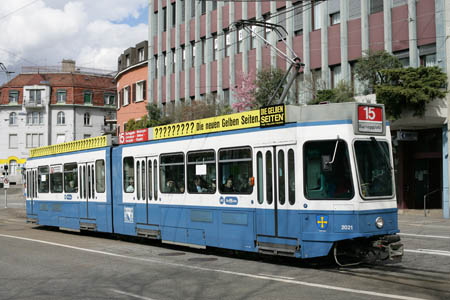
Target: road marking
pixel 427 236
pixel 276 276
pixel 302 283
pixel 429 251
pixel 130 294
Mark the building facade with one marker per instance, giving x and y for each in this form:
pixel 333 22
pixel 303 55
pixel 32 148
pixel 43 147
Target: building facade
pixel 195 50
pixel 131 84
pixel 46 106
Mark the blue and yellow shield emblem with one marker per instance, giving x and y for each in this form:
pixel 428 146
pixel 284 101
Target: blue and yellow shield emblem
pixel 322 222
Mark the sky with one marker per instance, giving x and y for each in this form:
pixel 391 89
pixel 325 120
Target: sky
pixel 92 32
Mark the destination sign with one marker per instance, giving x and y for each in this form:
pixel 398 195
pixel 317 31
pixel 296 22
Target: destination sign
pixel 139 135
pixel 273 115
pixel 242 120
pixel 370 119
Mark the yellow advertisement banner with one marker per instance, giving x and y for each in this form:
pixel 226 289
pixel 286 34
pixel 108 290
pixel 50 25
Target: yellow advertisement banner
pixel 242 120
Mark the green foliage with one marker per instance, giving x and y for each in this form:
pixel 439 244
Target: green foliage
pixel 266 83
pixel 410 88
pixel 342 93
pixel 369 67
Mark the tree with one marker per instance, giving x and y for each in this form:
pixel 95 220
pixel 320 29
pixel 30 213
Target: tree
pixel 410 88
pixel 369 67
pixel 244 92
pixel 342 93
pixel 267 82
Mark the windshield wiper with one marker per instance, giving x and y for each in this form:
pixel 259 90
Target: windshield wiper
pixel 385 155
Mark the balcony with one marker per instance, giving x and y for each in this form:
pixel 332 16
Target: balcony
pixel 109 129
pixel 32 104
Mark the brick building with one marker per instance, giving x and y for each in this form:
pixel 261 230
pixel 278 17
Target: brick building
pixel 49 105
pixel 131 83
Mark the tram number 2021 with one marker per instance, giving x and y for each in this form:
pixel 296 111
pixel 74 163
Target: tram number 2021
pixel 347 227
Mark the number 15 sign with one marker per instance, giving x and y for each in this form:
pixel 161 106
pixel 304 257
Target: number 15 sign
pixel 370 119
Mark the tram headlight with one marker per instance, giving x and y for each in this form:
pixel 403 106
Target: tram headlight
pixel 379 222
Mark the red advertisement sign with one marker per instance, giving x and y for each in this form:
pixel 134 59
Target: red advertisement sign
pixel 135 136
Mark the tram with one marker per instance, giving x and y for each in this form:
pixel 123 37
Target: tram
pixel 284 180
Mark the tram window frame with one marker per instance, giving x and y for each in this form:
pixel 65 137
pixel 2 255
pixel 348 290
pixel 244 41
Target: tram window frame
pixel 291 176
pixel 155 179
pixel 143 179
pixel 43 185
pixel 70 176
pixel 149 179
pixel 138 180
pixel 260 176
pixel 208 180
pixel 56 179
pixel 174 182
pixel 236 171
pixel 100 185
pixel 128 174
pixel 325 188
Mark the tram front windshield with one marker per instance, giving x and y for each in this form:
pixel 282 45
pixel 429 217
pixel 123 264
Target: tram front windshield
pixel 374 168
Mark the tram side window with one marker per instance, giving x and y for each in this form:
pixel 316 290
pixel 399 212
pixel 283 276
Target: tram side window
pixel 171 173
pixel 43 179
pixel 235 171
pixel 201 172
pixel 56 179
pixel 327 178
pixel 100 176
pixel 70 178
pixel 128 174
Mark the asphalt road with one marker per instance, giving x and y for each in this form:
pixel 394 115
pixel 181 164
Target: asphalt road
pixel 43 263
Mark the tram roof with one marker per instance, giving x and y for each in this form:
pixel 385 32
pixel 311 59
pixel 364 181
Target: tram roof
pixel 275 115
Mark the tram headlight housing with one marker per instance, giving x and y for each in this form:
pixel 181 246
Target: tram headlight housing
pixel 379 222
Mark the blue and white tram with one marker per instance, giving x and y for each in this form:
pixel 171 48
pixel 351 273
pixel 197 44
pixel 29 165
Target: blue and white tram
pixel 71 190
pixel 320 181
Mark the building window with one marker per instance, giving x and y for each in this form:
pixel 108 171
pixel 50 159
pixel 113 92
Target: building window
pixel 35 96
pixel 13 141
pixel 403 57
pixel 61 96
pixel 428 60
pixel 41 118
pixel 298 20
pixel 86 136
pixel 240 38
pixel 335 18
pixel 193 8
pixel 193 54
pixel 141 54
pixel 174 18
pixel 13 96
pixel 13 118
pixel 183 13
pixel 61 118
pixel 87 97
pixel 174 60
pixel 183 56
pixel 203 41
pixel 165 19
pixel 253 38
pixel 109 99
pixel 126 95
pixel 60 138
pixel 141 92
pixel 336 75
pixel 316 16
pixel 35 140
pixel 214 52
pixel 87 119
pixel 227 43
pixel 165 64
pixel 127 59
pixel 376 6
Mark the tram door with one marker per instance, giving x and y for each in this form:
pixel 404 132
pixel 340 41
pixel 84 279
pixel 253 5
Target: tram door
pixel 146 187
pixel 275 189
pixel 86 174
pixel 32 188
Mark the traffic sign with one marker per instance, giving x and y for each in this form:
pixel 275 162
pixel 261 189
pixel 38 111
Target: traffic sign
pixel 6 183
